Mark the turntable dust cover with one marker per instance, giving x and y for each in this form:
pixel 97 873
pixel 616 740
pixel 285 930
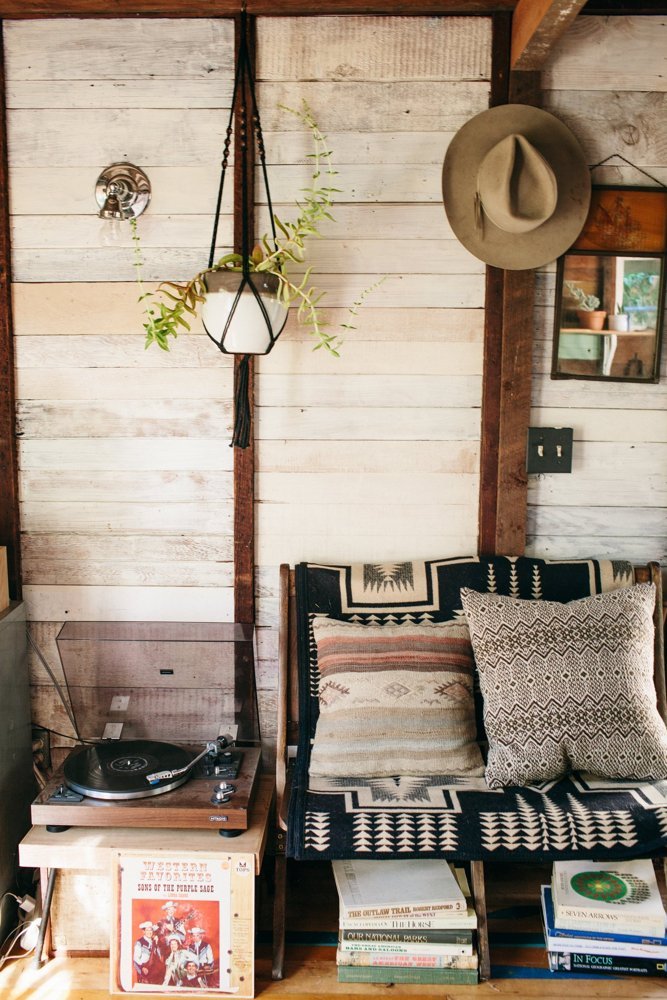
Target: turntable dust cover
pixel 184 924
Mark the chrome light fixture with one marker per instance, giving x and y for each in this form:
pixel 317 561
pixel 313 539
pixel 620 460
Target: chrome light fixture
pixel 122 191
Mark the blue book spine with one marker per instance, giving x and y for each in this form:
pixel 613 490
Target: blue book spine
pixel 606 935
pixel 611 964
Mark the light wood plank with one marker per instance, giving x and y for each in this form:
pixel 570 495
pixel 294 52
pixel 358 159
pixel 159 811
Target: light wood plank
pixel 636 127
pixel 376 389
pixel 359 424
pixel 582 489
pixel 406 457
pixel 159 604
pixel 605 425
pixel 121 518
pixel 637 549
pixel 60 351
pixel 358 358
pixel 361 519
pixel 128 551
pixel 619 54
pixel 329 257
pixel 128 418
pixel 400 541
pixel 92 572
pixel 609 521
pixel 109 487
pixel 138 454
pixel 124 383
pixel 580 393
pixel 372 489
pixel 214 92
pixel 374 48
pixel 62 49
pixel 103 309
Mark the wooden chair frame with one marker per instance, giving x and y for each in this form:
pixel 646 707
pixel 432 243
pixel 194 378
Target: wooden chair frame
pixel 288 737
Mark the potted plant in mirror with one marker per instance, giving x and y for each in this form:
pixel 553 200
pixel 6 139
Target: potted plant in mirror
pixel 588 314
pixel 260 311
pixel 619 320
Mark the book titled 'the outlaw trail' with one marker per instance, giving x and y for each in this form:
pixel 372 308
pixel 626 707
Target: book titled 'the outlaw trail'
pixel 620 895
pixel 397 888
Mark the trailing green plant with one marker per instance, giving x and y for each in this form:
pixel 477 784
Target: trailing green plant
pixel 172 307
pixel 588 303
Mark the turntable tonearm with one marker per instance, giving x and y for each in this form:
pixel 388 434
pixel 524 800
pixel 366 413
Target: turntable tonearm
pixel 151 682
pixel 112 783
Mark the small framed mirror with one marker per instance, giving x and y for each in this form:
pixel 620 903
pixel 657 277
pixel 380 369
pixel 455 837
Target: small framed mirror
pixel 610 290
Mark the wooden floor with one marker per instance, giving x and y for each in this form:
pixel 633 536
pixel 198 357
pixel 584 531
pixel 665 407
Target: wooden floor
pixel 517 954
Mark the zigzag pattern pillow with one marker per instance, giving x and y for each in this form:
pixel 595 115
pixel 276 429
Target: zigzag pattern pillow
pixel 568 687
pixel 394 700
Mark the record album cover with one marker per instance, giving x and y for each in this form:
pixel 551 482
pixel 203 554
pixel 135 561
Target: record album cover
pixel 184 924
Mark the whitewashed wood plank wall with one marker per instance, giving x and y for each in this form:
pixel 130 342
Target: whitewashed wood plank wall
pixel 608 80
pixel 125 471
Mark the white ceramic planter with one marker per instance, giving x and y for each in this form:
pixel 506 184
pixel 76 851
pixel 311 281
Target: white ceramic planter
pixel 247 332
pixel 619 322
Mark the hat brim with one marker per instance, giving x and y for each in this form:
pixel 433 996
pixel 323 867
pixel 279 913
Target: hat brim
pixel 560 149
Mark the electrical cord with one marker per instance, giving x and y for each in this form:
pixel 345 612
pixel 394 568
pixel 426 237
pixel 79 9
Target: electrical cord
pixel 20 933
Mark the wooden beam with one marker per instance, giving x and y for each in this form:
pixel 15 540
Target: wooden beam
pixel 516 366
pixel 10 532
pixel 244 458
pixel 493 329
pixel 26 9
pixel 536 27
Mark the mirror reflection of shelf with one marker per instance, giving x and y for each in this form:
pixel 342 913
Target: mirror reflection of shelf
pixel 607 333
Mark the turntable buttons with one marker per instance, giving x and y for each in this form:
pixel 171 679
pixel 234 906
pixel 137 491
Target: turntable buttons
pixel 223 792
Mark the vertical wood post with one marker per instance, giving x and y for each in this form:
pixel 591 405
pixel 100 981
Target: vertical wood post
pixel 508 347
pixel 244 458
pixel 10 529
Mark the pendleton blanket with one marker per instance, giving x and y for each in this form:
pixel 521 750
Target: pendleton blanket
pixel 443 815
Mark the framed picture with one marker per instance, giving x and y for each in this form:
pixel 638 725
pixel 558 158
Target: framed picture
pixel 610 290
pixel 184 924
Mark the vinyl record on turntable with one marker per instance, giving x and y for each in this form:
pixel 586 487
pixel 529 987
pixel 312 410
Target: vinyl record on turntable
pixel 119 769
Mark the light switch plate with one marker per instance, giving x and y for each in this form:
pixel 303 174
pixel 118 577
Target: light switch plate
pixel 549 449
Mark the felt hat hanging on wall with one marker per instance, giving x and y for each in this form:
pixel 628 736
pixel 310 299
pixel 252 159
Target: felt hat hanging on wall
pixel 516 186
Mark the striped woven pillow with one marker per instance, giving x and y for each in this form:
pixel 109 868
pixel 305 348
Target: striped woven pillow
pixel 394 700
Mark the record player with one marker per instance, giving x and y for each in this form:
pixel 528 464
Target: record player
pixel 167 717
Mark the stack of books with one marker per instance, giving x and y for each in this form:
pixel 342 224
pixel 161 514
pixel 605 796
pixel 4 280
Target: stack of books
pixel 405 922
pixel 605 918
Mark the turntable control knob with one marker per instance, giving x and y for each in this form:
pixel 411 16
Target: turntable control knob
pixel 223 792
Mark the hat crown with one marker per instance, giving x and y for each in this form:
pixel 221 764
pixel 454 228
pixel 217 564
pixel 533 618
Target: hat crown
pixel 516 186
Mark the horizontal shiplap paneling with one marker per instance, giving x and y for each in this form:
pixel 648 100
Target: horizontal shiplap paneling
pixel 606 80
pixel 125 464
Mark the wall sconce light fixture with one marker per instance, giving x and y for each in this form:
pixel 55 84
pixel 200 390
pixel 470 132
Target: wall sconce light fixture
pixel 122 191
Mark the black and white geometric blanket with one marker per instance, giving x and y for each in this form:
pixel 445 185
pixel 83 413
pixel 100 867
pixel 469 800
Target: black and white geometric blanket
pixel 460 818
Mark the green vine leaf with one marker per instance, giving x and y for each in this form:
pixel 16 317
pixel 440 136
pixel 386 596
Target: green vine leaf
pixel 163 309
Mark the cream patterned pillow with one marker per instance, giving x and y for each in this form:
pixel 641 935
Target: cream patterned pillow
pixel 394 700
pixel 568 687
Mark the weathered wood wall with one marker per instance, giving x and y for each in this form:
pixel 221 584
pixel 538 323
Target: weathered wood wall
pixel 608 80
pixel 125 470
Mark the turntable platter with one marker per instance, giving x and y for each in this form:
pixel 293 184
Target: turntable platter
pixel 119 769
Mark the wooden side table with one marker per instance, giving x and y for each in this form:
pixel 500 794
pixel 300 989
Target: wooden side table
pixel 81 905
